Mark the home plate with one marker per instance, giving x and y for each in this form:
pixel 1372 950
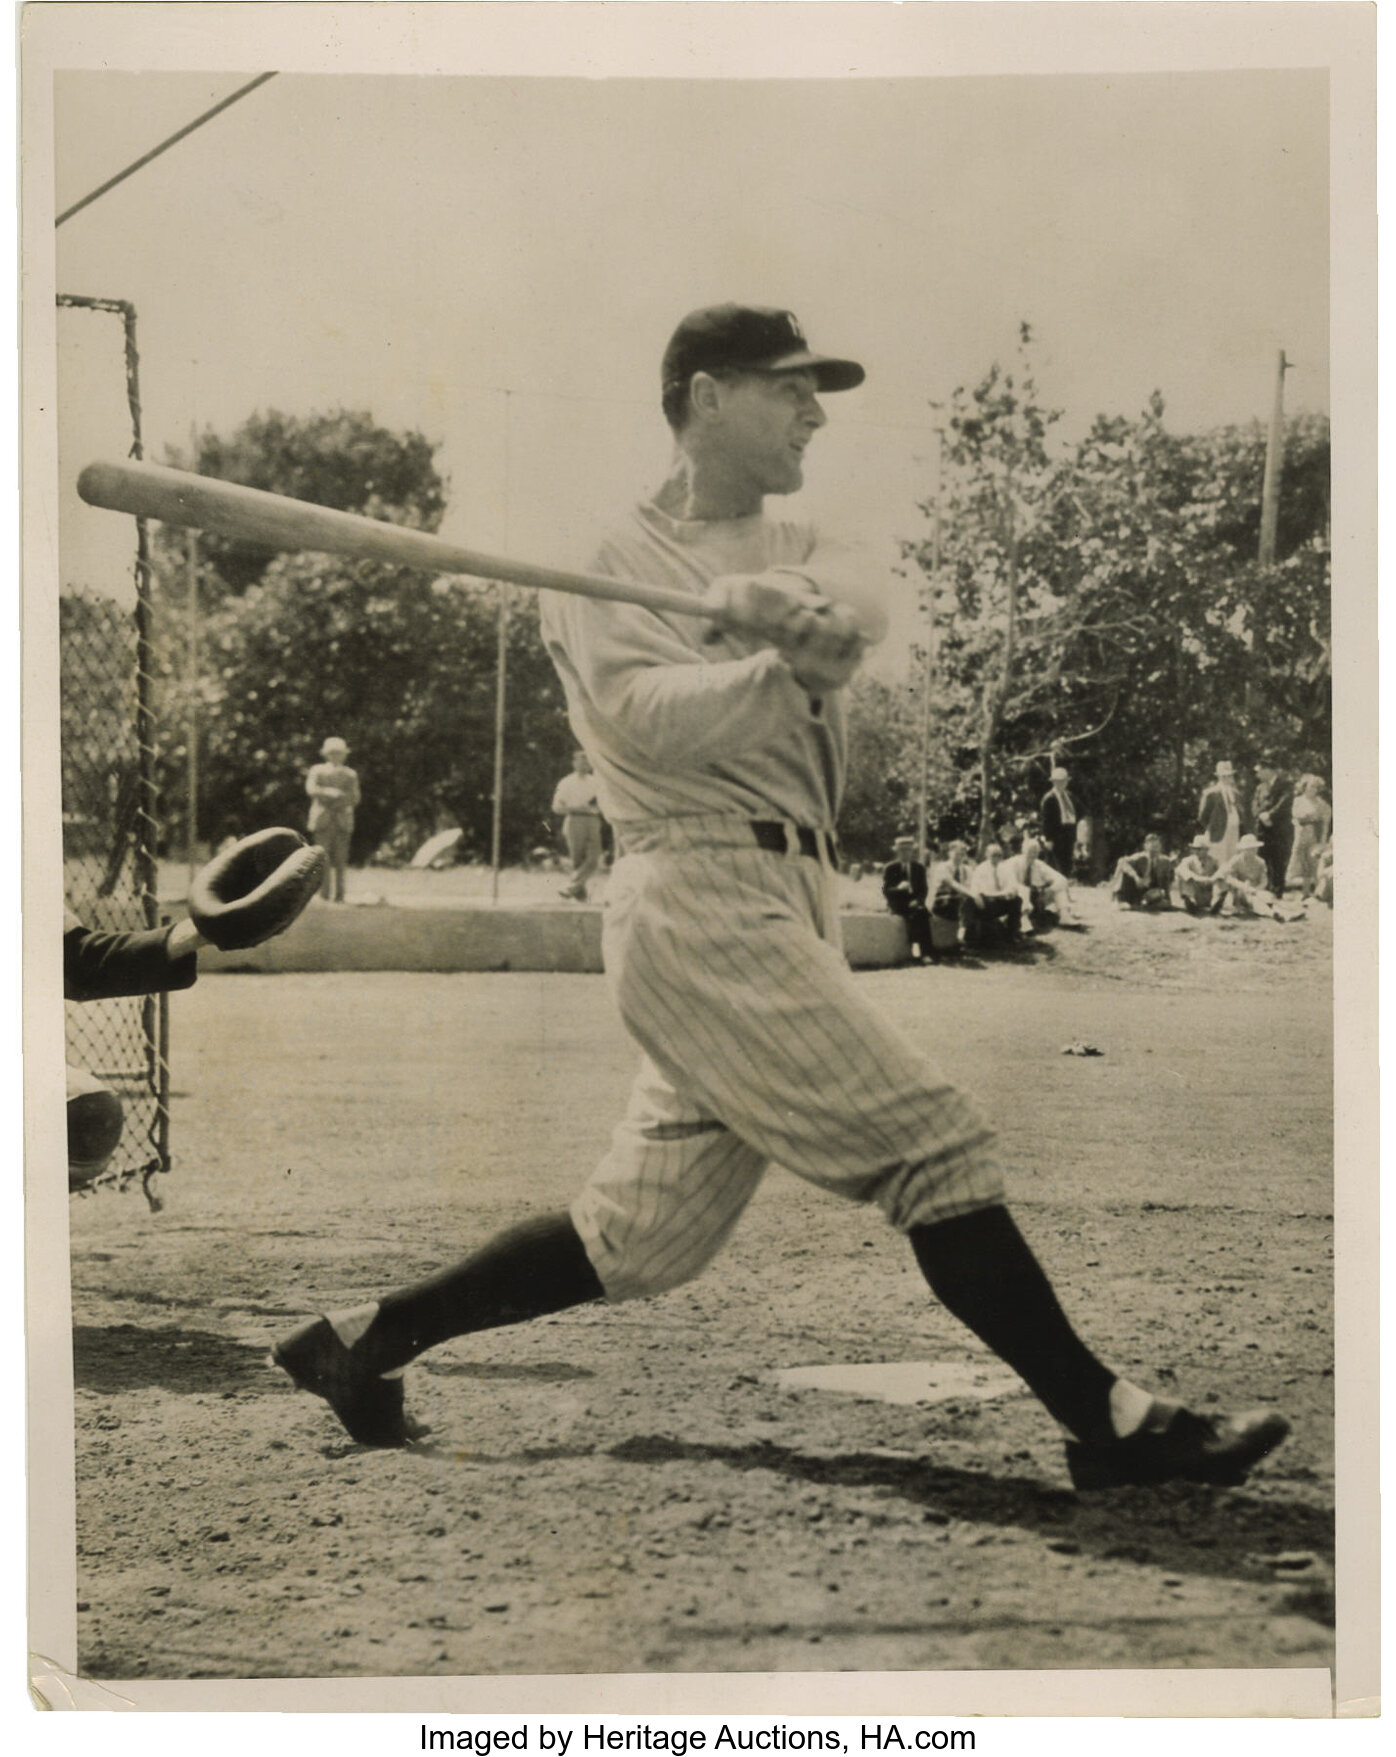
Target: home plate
pixel 905 1381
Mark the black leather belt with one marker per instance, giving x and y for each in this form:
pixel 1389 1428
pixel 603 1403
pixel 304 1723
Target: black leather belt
pixel 772 837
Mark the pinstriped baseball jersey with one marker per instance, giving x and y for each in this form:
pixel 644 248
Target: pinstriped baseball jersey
pixel 725 957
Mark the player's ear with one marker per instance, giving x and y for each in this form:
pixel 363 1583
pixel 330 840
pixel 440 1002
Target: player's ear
pixel 703 394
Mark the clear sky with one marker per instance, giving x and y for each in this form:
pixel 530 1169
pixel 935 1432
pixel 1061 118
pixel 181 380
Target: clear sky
pixel 499 263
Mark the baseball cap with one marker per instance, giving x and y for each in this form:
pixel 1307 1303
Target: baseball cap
pixel 754 338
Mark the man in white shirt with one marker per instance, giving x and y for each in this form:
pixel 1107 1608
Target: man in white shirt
pixel 1001 906
pixel 1059 820
pixel 1197 879
pixel 1043 889
pixel 575 802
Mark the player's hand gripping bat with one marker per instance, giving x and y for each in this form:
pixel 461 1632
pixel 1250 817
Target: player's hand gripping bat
pixel 177 497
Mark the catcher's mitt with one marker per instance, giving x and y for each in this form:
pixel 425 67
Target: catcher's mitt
pixel 255 889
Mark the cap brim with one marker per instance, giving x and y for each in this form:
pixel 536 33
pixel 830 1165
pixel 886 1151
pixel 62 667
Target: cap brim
pixel 829 374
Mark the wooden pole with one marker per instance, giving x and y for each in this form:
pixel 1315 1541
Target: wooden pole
pixel 1274 461
pixel 501 665
pixel 500 684
pixel 928 671
pixel 191 736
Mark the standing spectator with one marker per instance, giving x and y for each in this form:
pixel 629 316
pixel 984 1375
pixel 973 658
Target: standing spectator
pixel 904 888
pixel 575 802
pixel 1144 880
pixel 1060 821
pixel 1219 814
pixel 1197 879
pixel 1273 806
pixel 1000 906
pixel 1044 890
pixel 334 796
pixel 1312 817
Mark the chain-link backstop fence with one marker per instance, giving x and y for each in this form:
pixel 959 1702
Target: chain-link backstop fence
pixel 107 731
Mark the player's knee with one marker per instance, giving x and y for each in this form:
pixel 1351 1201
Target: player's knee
pixel 95 1119
pixel 954 1180
pixel 627 1272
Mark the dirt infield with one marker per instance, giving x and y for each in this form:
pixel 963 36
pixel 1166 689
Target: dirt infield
pixel 626 1489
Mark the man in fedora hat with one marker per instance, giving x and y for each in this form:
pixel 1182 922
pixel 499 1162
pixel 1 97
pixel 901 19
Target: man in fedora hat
pixel 1197 879
pixel 1060 816
pixel 1220 813
pixel 904 890
pixel 334 794
pixel 1243 879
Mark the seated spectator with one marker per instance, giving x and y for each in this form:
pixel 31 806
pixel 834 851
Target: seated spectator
pixel 1046 893
pixel 1009 835
pixel 1144 880
pixel 1197 879
pixel 904 889
pixel 953 901
pixel 1323 875
pixel 1243 880
pixel 1000 907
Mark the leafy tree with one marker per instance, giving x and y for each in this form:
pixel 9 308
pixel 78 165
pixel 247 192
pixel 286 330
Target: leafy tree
pixel 1108 610
pixel 342 459
pixel 999 499
pixel 401 665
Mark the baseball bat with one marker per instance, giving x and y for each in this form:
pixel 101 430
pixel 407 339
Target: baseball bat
pixel 276 521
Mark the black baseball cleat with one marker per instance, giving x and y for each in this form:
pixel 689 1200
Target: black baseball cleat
pixel 370 1408
pixel 1176 1445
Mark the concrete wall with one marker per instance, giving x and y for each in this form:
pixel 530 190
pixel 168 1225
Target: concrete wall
pixel 386 937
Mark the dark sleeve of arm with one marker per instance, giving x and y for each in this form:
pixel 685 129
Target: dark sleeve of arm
pixel 101 966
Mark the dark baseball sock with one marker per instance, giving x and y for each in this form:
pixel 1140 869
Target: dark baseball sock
pixel 536 1267
pixel 980 1267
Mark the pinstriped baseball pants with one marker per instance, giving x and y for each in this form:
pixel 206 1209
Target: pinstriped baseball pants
pixel 759 1048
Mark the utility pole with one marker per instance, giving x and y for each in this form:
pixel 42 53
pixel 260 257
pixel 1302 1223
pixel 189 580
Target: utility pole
pixel 191 735
pixel 1274 458
pixel 501 671
pixel 928 672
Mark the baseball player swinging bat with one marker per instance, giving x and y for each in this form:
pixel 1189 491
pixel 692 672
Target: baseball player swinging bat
pixel 783 607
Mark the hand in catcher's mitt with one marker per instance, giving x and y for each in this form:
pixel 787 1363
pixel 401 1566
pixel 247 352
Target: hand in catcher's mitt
pixel 255 889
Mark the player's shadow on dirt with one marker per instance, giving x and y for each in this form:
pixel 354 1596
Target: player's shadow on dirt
pixel 1033 950
pixel 1182 1527
pixel 546 1372
pixel 111 1358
